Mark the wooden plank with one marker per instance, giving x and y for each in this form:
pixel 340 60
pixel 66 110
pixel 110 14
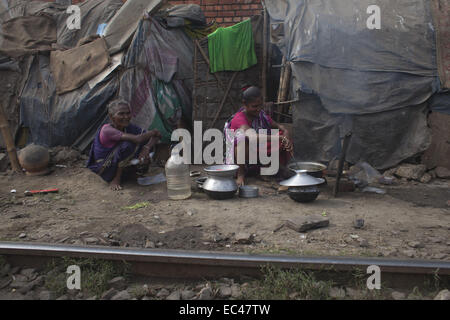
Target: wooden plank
pixel 441 17
pixel 223 100
pixel 9 142
pixel 221 85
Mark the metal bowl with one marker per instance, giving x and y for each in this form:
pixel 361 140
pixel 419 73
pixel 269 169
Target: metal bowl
pixel 304 194
pixel 224 170
pixel 314 169
pixel 248 192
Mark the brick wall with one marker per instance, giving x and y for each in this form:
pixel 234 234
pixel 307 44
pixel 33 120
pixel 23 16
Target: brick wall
pixel 225 12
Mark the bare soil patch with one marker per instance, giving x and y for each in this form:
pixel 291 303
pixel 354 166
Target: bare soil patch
pixel 410 221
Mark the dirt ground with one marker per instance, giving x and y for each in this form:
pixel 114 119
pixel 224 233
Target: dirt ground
pixel 411 221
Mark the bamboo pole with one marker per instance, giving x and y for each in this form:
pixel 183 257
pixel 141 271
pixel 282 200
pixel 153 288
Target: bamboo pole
pixel 7 137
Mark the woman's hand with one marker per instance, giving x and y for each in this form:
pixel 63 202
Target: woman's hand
pixel 287 144
pixel 156 133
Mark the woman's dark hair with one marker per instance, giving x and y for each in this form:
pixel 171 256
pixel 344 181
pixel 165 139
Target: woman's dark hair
pixel 115 104
pixel 251 94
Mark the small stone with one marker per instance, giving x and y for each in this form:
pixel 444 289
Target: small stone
pixel 337 293
pixel 415 244
pixel 354 294
pixel 243 238
pixel 105 235
pixel 409 253
pixel 149 244
pixel 442 173
pixel 303 224
pixel 358 223
pixel 63 297
pixel 92 298
pixel 29 273
pixel 5 282
pixel 225 292
pixel 122 295
pixel 5 270
pixel 434 239
pixel 66 155
pixel 22 235
pixel 46 295
pixel 363 243
pixel 20 278
pixel 146 298
pixel 426 178
pixel 91 240
pixel 187 294
pixel 205 294
pixel 190 213
pixel 107 295
pixel 411 171
pixel 398 295
pixel 176 295
pixel 15 270
pixel 15 284
pixel 294 295
pixel 443 295
pixel 163 293
pixel 439 256
pixel 118 283
pixel 235 291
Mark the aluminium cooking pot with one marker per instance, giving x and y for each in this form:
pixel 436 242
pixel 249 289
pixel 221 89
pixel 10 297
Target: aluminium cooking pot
pixel 220 184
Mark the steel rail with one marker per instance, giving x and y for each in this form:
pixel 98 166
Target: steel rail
pixel 182 263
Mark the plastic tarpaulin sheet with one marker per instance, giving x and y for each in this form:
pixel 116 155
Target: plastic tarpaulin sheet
pixel 93 13
pixel 119 31
pixel 354 69
pixel 59 120
pixel 382 139
pixel 62 119
pixel 156 53
pixel 359 75
pixel 192 12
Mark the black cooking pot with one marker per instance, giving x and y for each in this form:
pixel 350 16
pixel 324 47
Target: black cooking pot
pixel 303 194
pixel 217 195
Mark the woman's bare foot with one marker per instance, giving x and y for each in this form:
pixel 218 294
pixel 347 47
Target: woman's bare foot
pixel 240 180
pixel 115 185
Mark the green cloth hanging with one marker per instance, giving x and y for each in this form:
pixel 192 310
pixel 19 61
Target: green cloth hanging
pixel 232 48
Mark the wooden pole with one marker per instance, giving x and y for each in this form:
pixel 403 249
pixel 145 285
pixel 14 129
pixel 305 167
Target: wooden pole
pixel 264 66
pixel 286 85
pixel 7 137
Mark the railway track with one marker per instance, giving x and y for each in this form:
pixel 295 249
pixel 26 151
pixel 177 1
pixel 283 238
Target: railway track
pixel 180 264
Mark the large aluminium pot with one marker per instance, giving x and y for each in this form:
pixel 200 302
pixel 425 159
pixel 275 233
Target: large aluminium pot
pixel 220 184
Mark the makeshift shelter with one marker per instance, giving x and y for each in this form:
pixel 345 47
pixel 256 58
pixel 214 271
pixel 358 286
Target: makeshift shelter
pixel 71 77
pixel 375 83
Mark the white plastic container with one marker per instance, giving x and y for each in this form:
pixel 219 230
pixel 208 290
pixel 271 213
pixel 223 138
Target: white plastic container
pixel 178 177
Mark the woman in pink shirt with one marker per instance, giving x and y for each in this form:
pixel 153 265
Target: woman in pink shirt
pixel 117 143
pixel 251 116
